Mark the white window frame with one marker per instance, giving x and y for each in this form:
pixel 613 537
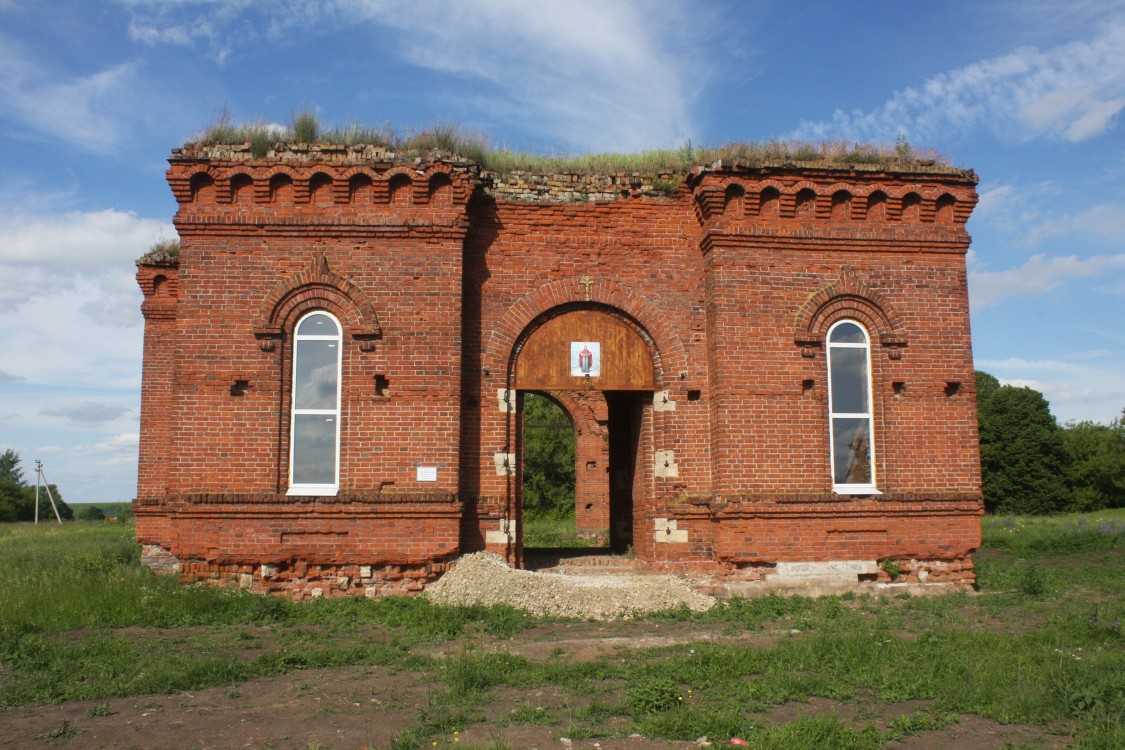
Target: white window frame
pixel 316 490
pixel 842 488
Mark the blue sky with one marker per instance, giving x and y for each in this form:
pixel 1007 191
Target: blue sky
pixel 95 93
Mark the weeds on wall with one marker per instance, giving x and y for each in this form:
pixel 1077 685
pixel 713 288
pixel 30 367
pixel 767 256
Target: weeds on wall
pixel 453 139
pixel 163 250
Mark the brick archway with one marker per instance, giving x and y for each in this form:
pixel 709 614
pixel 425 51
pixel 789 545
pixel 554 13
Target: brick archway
pixel 620 426
pixel 669 355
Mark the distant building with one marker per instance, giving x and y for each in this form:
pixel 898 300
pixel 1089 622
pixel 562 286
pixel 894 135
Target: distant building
pixel 768 368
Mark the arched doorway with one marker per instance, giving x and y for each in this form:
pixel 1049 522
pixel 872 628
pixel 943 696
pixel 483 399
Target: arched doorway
pixel 596 356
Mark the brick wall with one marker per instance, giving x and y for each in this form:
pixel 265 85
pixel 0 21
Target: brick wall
pixel 438 273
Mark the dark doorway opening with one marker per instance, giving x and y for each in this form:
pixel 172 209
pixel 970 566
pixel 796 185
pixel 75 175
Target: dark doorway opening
pixel 578 469
pixel 626 410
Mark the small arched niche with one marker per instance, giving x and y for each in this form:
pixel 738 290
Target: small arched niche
pixel 911 207
pixel 770 202
pixel 806 204
pixel 281 189
pixel 944 210
pixel 877 206
pixel 841 205
pixel 441 189
pixel 399 189
pixel 360 190
pixel 734 202
pixel 320 189
pixel 241 188
pixel 202 188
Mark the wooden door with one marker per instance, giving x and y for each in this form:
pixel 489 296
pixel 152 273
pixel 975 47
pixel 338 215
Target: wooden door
pixel 585 350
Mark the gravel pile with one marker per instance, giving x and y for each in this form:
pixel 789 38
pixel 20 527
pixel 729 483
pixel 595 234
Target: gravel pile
pixel 484 578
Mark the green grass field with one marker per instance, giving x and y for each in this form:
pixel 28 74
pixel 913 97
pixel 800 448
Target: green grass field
pixel 1041 645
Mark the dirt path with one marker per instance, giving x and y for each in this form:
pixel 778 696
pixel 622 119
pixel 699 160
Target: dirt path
pixel 365 707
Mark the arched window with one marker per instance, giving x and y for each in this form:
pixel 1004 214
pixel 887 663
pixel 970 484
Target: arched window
pixel 849 409
pixel 314 434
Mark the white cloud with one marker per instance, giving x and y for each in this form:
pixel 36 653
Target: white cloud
pixel 1018 363
pixel 114 451
pixel 85 413
pixel 91 111
pixel 1102 221
pixel 994 200
pixel 1037 276
pixel 77 240
pixel 1076 113
pixel 211 23
pixel 1092 354
pixel 70 333
pixel 594 75
pixel 50 341
pixel 1070 92
pixel 124 442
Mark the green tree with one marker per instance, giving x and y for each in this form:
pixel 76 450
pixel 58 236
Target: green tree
pixel 1097 464
pixel 17 497
pixel 548 459
pixel 91 513
pixel 986 385
pixel 11 486
pixel 1024 460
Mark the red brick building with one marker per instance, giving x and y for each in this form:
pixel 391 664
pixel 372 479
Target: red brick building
pixel 768 367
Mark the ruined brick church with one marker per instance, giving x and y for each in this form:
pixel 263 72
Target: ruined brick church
pixel 767 366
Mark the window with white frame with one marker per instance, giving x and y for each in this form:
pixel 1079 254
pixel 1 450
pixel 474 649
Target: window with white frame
pixel 314 432
pixel 849 409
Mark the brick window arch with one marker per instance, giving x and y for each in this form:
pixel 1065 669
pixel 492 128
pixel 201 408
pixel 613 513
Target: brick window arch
pixel 850 412
pixel 314 431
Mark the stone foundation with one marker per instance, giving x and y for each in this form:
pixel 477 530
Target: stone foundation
pixel 300 581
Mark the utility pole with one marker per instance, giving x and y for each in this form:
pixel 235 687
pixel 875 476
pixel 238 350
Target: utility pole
pixel 41 479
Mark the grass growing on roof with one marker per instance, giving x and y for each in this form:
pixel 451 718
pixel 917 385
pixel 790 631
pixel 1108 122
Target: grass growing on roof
pixel 453 139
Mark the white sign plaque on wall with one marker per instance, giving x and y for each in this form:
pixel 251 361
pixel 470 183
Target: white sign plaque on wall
pixel 585 359
pixel 427 473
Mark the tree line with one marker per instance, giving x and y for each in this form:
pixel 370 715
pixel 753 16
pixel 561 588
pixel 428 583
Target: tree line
pixel 1031 464
pixel 17 495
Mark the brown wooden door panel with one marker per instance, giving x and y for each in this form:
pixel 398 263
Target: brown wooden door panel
pixel 545 361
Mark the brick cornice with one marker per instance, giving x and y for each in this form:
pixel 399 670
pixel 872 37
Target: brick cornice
pixel 377 227
pixel 861 238
pixel 812 505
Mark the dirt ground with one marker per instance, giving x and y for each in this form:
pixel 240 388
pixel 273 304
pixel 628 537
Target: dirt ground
pixel 365 707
